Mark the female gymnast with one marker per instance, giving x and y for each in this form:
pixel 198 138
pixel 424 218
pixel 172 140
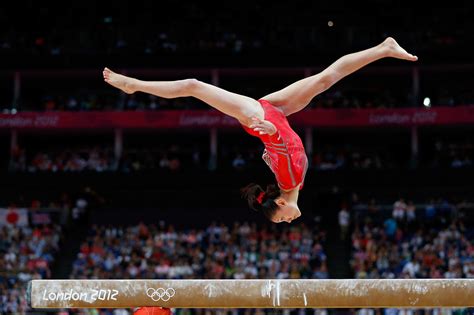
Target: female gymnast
pixel 266 118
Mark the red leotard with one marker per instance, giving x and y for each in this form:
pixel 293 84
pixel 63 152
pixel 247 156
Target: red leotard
pixel 152 311
pixel 284 152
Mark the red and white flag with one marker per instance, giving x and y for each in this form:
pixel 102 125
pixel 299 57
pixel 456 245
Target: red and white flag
pixel 14 217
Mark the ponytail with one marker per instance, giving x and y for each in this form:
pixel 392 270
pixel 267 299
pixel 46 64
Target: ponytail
pixel 260 200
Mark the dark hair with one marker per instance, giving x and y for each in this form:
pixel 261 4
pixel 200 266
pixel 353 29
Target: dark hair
pixel 268 206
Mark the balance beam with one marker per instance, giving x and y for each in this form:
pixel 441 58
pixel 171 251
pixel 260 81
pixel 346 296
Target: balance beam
pixel 273 293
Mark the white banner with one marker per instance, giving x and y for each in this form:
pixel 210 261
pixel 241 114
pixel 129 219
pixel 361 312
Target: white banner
pixel 14 217
pixel 38 218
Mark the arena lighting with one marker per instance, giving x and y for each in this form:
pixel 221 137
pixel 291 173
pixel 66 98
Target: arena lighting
pixel 427 102
pixel 330 23
pixel 250 293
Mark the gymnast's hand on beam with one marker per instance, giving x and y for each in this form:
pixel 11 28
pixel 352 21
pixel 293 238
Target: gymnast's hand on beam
pixel 264 127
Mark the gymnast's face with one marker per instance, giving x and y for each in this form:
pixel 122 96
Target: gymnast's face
pixel 286 211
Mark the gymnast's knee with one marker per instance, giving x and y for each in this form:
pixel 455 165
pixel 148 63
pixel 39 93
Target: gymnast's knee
pixel 191 86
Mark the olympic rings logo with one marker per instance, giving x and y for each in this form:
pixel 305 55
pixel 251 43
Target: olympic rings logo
pixel 160 294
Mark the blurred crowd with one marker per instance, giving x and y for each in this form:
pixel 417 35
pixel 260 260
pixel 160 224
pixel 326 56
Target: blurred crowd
pixel 235 156
pixel 452 154
pixel 239 251
pixel 249 28
pixel 26 253
pixel 428 241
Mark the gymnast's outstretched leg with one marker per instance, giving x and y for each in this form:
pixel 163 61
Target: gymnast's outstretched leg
pixel 297 96
pixel 241 107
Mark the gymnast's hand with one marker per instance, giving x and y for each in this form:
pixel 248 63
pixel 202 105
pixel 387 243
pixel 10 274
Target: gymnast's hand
pixel 264 127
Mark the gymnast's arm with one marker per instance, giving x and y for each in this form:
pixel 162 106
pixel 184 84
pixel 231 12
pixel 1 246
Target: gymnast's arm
pixel 284 166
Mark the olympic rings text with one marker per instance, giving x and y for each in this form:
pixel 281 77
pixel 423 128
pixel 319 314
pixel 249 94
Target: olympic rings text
pixel 160 294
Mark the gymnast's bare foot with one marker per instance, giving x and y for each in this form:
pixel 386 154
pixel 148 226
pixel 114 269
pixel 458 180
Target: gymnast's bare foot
pixel 119 81
pixel 396 51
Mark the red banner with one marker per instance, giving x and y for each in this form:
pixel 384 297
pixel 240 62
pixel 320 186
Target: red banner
pixel 213 118
pixel 386 117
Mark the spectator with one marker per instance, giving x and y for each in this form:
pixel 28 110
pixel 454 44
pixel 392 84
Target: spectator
pixel 344 222
pixel 390 227
pixel 410 212
pixel 399 208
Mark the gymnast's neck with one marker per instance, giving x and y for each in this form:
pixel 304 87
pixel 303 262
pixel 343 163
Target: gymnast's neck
pixel 291 196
